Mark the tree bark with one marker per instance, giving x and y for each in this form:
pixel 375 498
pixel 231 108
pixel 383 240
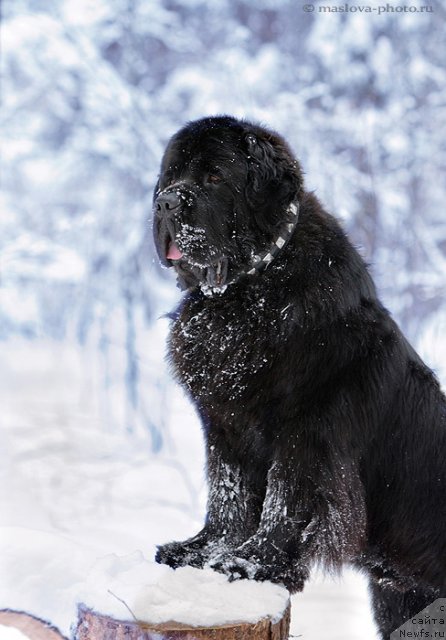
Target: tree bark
pixel 31 627
pixel 95 626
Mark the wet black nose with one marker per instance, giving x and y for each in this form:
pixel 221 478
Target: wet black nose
pixel 167 202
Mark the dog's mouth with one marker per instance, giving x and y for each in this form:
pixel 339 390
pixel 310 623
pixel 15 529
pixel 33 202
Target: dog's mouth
pixel 208 276
pixel 172 251
pixel 217 273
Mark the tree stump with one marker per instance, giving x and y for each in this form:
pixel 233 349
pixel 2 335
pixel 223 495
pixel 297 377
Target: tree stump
pixel 95 626
pixel 31 627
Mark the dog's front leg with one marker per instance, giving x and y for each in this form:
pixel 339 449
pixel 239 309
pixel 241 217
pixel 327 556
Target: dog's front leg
pixel 233 514
pixel 272 552
pixel 310 512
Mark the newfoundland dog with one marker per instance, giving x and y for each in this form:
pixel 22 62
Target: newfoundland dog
pixel 325 432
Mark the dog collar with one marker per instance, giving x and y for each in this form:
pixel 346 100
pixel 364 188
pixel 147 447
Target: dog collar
pixel 260 262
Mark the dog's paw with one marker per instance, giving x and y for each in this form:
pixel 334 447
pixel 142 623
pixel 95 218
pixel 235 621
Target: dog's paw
pixel 194 552
pixel 249 562
pixel 236 568
pixel 180 554
pixel 292 576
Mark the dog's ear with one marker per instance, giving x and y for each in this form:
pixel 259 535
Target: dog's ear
pixel 274 176
pixel 262 161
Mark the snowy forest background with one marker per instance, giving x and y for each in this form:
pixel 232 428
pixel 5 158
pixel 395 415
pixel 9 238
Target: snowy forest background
pixel 92 91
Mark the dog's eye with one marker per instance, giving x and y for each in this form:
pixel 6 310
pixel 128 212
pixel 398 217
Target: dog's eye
pixel 213 179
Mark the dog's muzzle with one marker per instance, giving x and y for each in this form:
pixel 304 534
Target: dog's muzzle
pixel 168 206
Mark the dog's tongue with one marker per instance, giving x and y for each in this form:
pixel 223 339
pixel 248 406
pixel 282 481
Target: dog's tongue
pixel 173 252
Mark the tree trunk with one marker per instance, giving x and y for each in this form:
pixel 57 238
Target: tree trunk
pixel 95 626
pixel 31 627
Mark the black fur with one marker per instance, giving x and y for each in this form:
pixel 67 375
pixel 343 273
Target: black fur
pixel 325 432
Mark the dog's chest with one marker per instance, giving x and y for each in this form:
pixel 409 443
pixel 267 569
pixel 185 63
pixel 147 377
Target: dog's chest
pixel 218 349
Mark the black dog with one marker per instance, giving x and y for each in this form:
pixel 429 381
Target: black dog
pixel 325 432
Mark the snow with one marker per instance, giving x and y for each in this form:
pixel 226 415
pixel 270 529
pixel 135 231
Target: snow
pixel 153 593
pixel 197 597
pixel 8 633
pixel 28 555
pixel 82 508
pixel 56 262
pixel 101 457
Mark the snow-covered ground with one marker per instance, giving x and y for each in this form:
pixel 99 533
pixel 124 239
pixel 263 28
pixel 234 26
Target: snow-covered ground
pixel 92 92
pixel 78 500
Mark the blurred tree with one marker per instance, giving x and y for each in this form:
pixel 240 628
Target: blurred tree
pixel 380 118
pixel 93 91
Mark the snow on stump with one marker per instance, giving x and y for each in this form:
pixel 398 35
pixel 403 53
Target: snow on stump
pixel 132 599
pixel 94 626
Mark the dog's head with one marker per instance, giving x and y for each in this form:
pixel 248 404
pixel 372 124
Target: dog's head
pixel 222 194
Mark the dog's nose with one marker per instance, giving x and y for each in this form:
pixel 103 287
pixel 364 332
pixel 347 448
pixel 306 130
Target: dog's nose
pixel 167 202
